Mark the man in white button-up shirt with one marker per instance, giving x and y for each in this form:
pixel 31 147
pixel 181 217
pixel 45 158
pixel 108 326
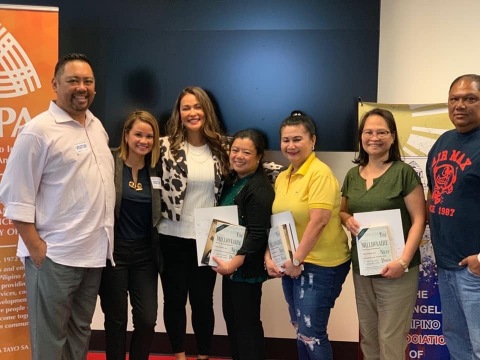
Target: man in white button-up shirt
pixel 58 190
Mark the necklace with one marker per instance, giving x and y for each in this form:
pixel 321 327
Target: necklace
pixel 191 148
pixel 201 156
pixel 135 186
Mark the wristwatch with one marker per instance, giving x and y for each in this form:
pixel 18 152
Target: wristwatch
pixel 403 263
pixel 296 262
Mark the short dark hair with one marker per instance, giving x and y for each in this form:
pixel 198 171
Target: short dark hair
pixel 257 138
pixel 297 117
pixel 67 58
pixel 473 77
pixel 394 152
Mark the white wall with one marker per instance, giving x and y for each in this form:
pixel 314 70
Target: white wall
pixel 424 45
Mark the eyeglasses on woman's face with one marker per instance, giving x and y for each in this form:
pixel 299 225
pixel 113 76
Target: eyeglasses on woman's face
pixel 381 134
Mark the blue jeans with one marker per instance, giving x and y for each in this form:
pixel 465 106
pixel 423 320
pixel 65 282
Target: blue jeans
pixel 310 299
pixel 460 298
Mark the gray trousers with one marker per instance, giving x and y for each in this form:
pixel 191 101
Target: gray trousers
pixel 61 302
pixel 385 310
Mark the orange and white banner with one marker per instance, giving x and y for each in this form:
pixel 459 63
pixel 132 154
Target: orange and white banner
pixel 28 53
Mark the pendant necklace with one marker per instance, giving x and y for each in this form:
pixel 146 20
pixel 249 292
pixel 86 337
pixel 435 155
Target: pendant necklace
pixel 138 186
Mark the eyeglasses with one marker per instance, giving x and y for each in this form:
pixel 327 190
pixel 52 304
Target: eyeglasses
pixel 381 134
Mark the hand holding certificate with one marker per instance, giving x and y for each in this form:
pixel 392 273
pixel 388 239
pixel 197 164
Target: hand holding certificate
pixel 224 241
pixel 283 229
pixel 380 240
pixel 279 244
pixel 203 222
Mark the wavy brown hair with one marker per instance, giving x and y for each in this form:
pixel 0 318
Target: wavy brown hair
pixel 211 129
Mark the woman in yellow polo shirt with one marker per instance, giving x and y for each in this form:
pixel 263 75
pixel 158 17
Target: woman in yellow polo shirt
pixel 313 279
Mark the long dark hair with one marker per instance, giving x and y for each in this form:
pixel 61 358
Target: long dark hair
pixel 394 152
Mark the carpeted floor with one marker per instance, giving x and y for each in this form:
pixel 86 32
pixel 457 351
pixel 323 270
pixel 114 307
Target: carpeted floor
pixel 101 356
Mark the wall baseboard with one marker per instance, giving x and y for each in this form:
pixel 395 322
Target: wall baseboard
pixel 278 349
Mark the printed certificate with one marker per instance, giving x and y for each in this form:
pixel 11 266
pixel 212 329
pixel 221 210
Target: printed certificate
pixel 390 218
pixel 374 249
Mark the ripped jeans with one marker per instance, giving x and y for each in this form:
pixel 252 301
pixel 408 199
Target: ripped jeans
pixel 310 299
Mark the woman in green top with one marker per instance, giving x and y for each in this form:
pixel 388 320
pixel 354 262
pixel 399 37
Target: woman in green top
pixel 382 181
pixel 243 276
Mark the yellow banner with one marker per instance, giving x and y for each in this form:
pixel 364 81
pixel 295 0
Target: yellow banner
pixel 28 53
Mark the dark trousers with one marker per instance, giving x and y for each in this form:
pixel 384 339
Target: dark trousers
pixel 135 274
pixel 241 310
pixel 182 278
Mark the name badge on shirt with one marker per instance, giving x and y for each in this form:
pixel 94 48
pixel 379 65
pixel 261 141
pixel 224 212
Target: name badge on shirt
pixel 81 147
pixel 155 182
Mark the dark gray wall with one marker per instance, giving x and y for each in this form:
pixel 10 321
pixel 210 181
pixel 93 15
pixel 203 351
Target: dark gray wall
pixel 258 59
